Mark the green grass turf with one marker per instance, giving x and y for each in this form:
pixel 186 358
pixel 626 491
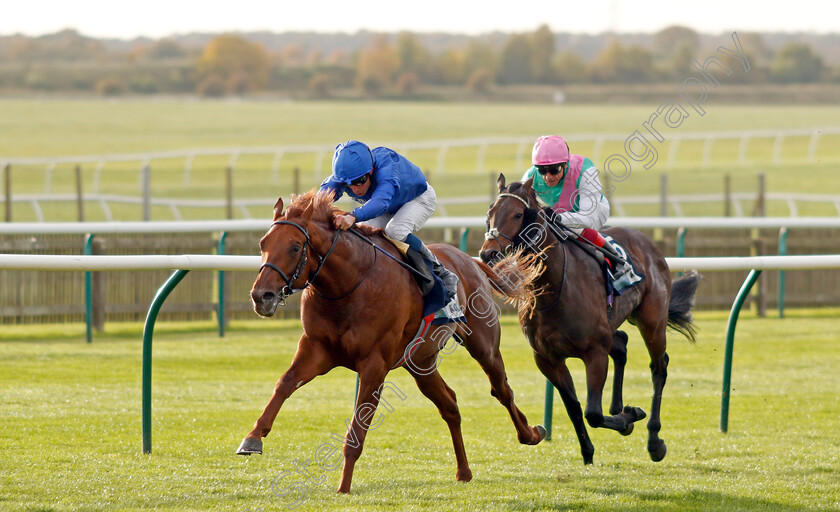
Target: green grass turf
pixel 70 434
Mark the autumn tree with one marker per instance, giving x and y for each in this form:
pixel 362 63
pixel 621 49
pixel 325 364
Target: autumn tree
pixel 480 56
pixel 674 47
pixel 797 63
pixel 620 64
pixel 543 48
pixel 378 63
pixel 515 64
pixel 164 49
pixel 240 64
pixel 413 56
pixel 569 68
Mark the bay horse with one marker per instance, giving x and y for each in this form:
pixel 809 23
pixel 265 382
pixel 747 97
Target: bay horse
pixel 572 317
pixel 362 312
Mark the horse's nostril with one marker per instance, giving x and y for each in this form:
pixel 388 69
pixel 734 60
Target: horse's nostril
pixel 262 297
pixel 488 256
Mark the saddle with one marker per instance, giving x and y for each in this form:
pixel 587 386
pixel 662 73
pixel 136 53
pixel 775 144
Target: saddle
pixel 599 255
pixel 424 275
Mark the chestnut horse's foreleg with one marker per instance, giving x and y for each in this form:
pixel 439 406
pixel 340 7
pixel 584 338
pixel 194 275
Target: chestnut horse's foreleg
pixel 558 374
pixel 490 359
pixel 372 373
pixel 310 361
pixel 435 389
pixel 618 354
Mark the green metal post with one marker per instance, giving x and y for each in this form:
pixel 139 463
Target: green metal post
pixel 356 395
pixel 221 312
pixel 680 244
pixel 783 233
pixel 548 413
pixel 148 332
pixel 730 343
pixel 89 292
pixel 464 233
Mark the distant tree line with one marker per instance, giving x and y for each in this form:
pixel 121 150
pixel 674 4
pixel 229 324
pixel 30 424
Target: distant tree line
pixel 385 65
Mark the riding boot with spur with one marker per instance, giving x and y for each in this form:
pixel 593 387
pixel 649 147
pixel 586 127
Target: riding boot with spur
pixel 619 264
pixel 449 279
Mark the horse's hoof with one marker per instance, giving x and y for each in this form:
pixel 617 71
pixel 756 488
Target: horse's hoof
pixel 250 445
pixel 627 431
pixel 657 450
pixel 463 476
pixel 541 431
pixel 637 413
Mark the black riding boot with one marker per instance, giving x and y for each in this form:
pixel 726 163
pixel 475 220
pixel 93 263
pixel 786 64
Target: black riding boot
pixel 450 280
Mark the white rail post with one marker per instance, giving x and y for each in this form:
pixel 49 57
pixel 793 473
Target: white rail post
pixel 441 160
pixel 777 148
pixel 7 189
pixel 707 150
pixel 146 180
pixel 812 147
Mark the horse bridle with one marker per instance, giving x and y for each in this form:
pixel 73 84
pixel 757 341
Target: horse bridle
pixel 494 233
pixel 287 289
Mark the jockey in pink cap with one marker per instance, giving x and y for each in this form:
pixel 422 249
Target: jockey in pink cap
pixel 569 185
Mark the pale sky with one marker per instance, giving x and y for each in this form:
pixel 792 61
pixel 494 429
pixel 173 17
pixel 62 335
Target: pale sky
pixel 126 19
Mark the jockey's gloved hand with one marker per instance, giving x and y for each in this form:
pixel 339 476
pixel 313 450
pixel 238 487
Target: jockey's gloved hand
pixel 551 215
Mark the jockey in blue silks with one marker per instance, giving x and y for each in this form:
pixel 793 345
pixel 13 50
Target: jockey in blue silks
pixel 394 193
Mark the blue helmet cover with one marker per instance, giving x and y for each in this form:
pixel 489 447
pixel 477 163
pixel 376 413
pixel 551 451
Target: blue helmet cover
pixel 351 160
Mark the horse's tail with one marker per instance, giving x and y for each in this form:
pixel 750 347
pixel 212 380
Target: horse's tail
pixel 679 307
pixel 514 277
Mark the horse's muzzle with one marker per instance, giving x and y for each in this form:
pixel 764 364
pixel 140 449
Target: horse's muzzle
pixel 490 256
pixel 265 302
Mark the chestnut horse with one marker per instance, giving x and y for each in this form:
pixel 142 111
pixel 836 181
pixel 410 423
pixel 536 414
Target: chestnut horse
pixel 572 318
pixel 361 310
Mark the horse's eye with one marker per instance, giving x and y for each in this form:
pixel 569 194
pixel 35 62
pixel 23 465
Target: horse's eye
pixel 296 248
pixel 517 216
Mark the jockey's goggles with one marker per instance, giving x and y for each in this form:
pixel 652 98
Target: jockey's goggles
pixel 361 180
pixel 552 169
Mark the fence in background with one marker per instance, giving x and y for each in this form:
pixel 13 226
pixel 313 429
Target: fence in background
pixel 436 158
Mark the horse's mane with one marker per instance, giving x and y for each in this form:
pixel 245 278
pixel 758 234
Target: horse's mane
pixel 323 209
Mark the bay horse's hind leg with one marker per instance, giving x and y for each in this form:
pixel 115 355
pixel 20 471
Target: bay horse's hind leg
pixel 435 389
pixel 558 374
pixel 309 361
pixel 597 365
pixel 654 336
pixel 490 359
pixel 618 354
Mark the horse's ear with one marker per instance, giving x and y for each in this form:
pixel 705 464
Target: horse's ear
pixel 501 182
pixel 307 213
pixel 527 187
pixel 529 183
pixel 278 208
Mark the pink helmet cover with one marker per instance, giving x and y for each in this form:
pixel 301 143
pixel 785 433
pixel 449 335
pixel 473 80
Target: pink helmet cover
pixel 550 149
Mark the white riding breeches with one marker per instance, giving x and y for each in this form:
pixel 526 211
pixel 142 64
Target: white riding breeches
pixel 412 216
